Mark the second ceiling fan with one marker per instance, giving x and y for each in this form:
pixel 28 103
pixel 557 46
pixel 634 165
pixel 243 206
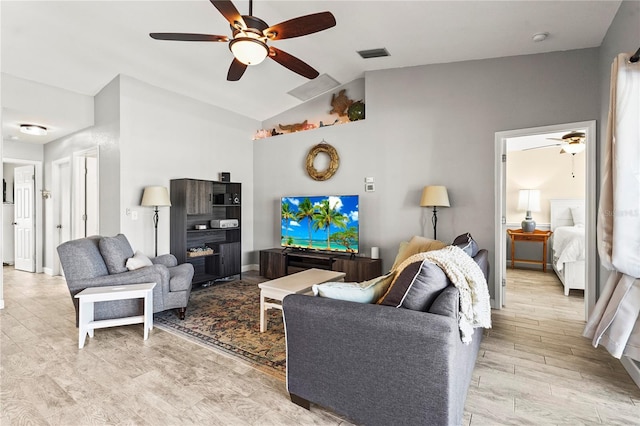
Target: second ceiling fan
pixel 251 34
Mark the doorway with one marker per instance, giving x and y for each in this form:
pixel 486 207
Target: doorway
pixel 8 213
pixel 501 139
pixel 85 193
pixel 61 177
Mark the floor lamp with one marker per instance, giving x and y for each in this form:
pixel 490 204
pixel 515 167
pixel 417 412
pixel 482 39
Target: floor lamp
pixel 155 196
pixel 434 196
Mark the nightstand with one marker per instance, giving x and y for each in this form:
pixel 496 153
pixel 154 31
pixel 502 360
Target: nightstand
pixel 536 236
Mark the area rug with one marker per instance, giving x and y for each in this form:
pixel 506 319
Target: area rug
pixel 227 317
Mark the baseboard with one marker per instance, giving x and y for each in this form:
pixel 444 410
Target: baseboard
pixel 633 368
pixel 251 267
pixel 1 303
pixel 48 271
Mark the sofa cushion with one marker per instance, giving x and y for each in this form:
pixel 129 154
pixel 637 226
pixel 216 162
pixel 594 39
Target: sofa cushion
pixel 416 245
pixel 115 252
pixel 416 287
pixel 139 260
pixel 364 292
pixel 466 243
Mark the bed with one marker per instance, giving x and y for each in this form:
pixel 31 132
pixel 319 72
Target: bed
pixel 568 242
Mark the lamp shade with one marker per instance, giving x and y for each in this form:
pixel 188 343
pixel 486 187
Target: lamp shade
pixel 155 196
pixel 434 196
pixel 529 200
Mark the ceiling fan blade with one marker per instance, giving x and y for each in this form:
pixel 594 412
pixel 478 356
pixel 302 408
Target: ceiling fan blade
pixel 236 70
pixel 555 139
pixel 300 26
pixel 229 12
pixel 293 63
pixel 541 146
pixel 188 37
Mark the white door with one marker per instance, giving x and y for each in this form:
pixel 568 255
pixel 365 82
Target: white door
pixel 61 206
pixel 24 235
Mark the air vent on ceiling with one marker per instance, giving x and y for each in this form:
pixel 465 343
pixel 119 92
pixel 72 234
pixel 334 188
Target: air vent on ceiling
pixel 373 53
pixel 315 87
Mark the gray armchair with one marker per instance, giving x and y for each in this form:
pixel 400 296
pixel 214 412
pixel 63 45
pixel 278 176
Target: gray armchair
pixel 101 261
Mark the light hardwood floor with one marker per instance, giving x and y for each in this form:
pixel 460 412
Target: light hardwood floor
pixel 533 368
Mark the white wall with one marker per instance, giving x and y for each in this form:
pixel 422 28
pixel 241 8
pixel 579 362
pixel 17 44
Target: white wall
pixel 166 136
pixel 425 125
pixel 104 135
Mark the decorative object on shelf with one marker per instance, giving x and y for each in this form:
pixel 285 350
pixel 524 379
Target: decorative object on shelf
pixel 435 196
pixel 274 132
pixel 328 125
pixel 296 127
pixel 199 227
pixel 250 35
pixel 529 201
pixel 334 161
pixel 262 134
pixel 225 177
pixel 199 251
pixel 155 196
pixel 340 103
pixel 355 111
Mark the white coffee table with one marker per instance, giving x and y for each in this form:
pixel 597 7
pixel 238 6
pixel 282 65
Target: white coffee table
pixel 89 296
pixel 300 282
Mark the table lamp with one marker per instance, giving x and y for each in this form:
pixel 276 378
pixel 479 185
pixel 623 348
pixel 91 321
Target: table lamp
pixel 529 201
pixel 434 196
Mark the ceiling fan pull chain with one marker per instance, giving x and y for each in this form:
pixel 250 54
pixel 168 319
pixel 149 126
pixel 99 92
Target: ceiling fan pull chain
pixel 573 165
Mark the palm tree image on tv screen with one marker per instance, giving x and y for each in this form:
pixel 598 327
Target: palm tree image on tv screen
pixel 328 223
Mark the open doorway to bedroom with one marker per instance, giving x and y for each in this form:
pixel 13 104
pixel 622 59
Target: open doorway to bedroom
pixel 544 177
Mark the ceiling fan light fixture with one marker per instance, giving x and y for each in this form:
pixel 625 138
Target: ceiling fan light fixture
pixel 33 129
pixel 573 147
pixel 248 48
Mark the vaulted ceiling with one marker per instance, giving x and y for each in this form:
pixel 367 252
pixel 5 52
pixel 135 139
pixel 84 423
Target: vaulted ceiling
pixel 82 45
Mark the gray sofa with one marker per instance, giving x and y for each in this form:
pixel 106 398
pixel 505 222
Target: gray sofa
pixel 381 365
pixel 101 261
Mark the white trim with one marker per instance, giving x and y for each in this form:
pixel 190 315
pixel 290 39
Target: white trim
pixel 39 215
pixel 250 267
pixel 48 271
pixel 590 203
pixel 632 368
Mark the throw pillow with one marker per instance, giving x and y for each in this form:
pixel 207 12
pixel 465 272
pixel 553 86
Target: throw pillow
pixel 577 213
pixel 115 251
pixel 416 245
pixel 466 243
pixel 416 287
pixel 364 292
pixel 139 260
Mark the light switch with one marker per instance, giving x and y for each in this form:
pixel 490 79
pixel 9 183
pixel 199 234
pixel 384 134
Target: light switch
pixel 369 180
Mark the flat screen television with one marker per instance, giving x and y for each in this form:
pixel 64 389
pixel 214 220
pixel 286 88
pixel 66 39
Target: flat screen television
pixel 326 223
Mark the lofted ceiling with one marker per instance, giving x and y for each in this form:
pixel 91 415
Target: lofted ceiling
pixel 80 46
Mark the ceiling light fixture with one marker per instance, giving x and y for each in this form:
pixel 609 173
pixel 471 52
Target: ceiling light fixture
pixel 573 147
pixel 540 37
pixel 248 47
pixel 33 129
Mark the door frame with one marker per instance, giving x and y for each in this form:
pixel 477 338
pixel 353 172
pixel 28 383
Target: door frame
pixel 76 178
pixel 38 216
pixel 56 182
pixel 590 203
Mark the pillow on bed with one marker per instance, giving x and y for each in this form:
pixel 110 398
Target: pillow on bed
pixel 577 213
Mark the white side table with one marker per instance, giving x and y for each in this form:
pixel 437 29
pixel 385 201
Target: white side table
pixel 89 296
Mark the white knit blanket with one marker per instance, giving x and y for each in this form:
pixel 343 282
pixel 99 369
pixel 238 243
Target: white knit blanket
pixel 466 275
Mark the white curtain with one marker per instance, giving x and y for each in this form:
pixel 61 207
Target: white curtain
pixel 615 321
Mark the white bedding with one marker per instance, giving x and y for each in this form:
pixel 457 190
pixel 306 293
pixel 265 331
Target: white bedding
pixel 568 245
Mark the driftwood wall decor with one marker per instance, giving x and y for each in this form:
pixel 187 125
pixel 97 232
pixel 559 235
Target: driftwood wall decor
pixel 334 161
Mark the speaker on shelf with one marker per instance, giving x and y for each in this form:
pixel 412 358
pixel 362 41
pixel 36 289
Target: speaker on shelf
pixel 225 177
pixel 235 198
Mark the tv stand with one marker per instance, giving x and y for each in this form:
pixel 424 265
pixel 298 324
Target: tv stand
pixel 276 263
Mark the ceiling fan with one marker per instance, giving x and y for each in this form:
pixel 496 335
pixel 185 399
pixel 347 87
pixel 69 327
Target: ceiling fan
pixel 250 35
pixel 572 143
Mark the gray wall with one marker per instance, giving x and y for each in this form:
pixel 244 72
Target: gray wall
pixel 425 125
